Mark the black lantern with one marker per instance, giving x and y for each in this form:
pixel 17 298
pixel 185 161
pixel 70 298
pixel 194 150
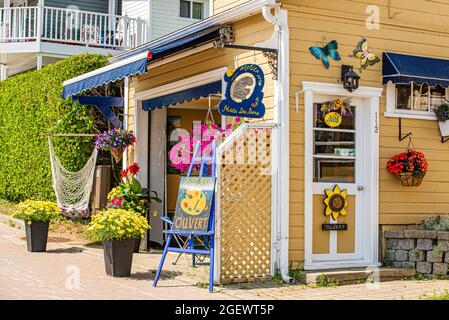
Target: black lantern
pixel 349 78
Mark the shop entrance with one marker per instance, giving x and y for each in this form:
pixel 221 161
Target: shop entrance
pixel 341 183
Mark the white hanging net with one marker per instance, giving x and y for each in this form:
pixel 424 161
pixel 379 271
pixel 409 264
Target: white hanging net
pixel 72 189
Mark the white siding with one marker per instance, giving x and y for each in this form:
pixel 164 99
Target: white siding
pixel 136 8
pixel 165 17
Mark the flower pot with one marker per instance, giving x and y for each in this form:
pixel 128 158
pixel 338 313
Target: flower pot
pixel 118 257
pixel 444 128
pixel 137 245
pixel 36 235
pixel 117 154
pixel 409 180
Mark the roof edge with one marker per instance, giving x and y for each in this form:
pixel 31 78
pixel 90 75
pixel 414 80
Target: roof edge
pixel 231 15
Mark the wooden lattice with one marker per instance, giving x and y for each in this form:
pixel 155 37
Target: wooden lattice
pixel 245 206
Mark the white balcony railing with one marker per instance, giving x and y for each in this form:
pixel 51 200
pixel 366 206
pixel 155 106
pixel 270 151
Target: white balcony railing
pixel 42 23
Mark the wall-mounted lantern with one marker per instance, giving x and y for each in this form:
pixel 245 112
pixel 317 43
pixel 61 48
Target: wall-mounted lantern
pixel 349 78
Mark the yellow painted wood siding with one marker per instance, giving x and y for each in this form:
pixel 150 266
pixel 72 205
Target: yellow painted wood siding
pixel 415 27
pixel 223 5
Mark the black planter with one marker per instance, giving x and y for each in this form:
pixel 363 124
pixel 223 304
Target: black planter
pixel 36 235
pixel 118 257
pixel 137 245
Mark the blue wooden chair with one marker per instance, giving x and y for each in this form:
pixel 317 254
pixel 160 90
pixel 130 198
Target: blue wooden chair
pixel 189 246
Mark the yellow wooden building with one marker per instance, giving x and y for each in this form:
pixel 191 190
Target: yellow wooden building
pixel 270 222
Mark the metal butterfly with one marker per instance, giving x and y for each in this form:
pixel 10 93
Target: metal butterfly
pixel 322 53
pixel 366 58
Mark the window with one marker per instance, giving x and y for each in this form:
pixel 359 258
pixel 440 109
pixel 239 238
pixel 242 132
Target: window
pixel 411 100
pixel 191 9
pixel 334 153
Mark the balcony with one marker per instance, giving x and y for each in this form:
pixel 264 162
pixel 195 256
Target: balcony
pixel 24 26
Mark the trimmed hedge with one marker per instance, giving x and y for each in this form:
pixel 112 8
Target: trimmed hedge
pixel 31 104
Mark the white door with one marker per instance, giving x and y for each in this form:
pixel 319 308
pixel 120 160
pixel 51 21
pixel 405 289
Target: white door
pixel 338 161
pixel 157 165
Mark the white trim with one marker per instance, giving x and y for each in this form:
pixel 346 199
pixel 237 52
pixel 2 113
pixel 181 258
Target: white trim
pixel 125 117
pixel 106 68
pixel 370 104
pixel 336 89
pixel 183 84
pixel 239 12
pixel 344 264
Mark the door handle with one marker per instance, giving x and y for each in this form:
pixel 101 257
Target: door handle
pixel 360 188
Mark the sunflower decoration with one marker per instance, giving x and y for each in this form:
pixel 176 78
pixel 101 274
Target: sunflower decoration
pixel 342 105
pixel 335 202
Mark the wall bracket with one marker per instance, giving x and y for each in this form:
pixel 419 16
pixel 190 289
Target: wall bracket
pixel 400 132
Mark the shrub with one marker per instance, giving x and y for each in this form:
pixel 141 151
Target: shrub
pixel 438 223
pixel 117 224
pixel 35 211
pixel 31 104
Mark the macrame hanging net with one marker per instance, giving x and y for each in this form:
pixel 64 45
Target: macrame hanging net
pixel 72 189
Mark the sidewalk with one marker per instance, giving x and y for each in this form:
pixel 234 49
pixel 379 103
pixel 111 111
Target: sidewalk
pixel 55 274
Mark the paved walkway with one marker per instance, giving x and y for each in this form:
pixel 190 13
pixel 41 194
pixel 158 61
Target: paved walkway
pixel 76 272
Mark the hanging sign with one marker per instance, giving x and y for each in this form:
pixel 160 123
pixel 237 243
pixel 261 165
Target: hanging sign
pixel 243 95
pixel 333 119
pixel 194 203
pixel 335 202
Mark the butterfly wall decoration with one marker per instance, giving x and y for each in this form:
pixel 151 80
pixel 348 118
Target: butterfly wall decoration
pixel 366 58
pixel 322 53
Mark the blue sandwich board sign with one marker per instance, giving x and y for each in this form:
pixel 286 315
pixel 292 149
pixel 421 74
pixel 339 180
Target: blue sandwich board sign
pixel 244 92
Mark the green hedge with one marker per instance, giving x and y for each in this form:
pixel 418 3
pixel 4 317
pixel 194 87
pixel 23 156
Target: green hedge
pixel 31 104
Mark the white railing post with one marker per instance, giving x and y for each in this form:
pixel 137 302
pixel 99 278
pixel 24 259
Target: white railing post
pixel 40 8
pixel 139 31
pixel 125 32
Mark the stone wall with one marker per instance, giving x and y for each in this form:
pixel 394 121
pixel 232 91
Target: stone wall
pixel 426 251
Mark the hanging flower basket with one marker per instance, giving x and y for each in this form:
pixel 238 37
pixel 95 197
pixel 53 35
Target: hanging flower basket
pixel 115 141
pixel 409 167
pixel 117 154
pixel 409 180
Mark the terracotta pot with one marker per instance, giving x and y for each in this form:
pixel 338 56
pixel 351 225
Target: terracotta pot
pixel 118 257
pixel 117 154
pixel 36 236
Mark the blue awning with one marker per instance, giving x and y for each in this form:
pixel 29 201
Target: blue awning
pixel 401 68
pixel 202 91
pixel 113 72
pixel 137 62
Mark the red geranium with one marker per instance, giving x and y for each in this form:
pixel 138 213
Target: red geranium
pixel 133 168
pixel 410 161
pixel 117 201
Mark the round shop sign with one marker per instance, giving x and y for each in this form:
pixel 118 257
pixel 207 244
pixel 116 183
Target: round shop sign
pixel 333 119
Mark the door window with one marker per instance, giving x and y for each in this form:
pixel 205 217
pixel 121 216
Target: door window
pixel 334 153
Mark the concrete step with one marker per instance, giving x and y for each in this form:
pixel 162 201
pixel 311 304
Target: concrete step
pixel 357 275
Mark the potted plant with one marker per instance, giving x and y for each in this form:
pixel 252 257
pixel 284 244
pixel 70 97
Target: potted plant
pixel 130 195
pixel 115 141
pixel 37 216
pixel 442 114
pixel 117 229
pixel 409 167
